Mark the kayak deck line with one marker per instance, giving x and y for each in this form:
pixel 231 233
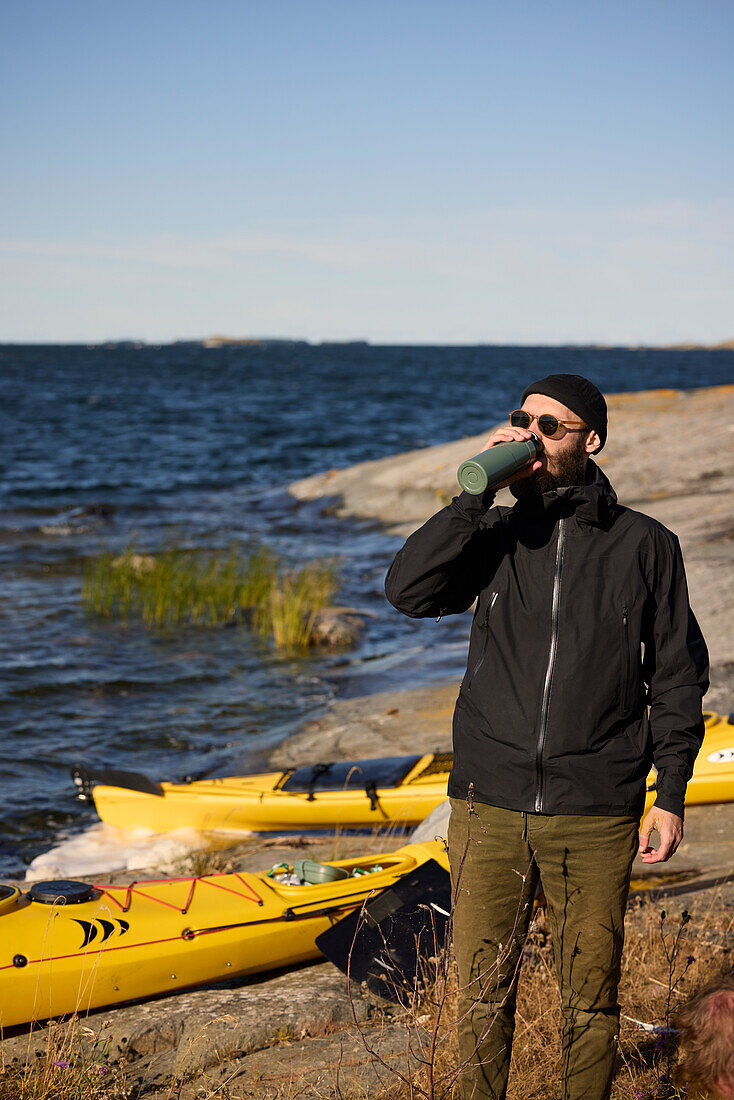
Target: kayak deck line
pixel 289 914
pixel 131 889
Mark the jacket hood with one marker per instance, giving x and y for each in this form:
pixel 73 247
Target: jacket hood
pixel 594 503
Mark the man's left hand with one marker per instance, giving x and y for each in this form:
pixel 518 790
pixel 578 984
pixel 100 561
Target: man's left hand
pixel 670 830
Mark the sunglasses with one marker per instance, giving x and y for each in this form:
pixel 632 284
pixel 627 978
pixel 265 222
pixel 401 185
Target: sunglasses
pixel 548 424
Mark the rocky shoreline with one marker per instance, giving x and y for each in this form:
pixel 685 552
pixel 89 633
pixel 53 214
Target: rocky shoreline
pixel 669 454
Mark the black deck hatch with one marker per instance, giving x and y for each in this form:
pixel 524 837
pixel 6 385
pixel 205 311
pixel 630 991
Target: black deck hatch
pixel 344 775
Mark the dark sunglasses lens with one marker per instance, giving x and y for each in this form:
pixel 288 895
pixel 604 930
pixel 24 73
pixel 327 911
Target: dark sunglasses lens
pixel 548 424
pixel 520 419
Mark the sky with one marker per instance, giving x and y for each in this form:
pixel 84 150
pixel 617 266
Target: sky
pixel 402 171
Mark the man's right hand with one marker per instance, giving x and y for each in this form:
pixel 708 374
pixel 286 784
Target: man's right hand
pixel 514 435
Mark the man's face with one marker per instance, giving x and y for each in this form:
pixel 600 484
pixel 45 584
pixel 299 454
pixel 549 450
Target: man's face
pixel 564 457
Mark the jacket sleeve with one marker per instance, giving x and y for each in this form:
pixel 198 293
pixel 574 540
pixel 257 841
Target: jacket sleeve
pixel 440 568
pixel 678 678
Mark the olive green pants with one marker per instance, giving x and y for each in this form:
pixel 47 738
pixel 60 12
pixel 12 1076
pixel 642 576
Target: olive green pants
pixel 584 863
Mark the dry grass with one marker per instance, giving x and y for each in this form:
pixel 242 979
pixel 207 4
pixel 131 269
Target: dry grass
pixel 195 588
pixel 74 1065
pixel 666 958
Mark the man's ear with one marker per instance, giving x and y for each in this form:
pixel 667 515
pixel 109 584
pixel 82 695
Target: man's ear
pixel 593 443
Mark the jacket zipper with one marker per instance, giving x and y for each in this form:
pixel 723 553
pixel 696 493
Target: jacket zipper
pixel 627 670
pixel 552 650
pixel 480 662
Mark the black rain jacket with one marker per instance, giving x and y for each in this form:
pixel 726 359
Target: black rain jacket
pixel 586 664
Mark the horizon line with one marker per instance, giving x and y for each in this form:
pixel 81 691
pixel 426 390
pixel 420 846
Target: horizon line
pixel 215 343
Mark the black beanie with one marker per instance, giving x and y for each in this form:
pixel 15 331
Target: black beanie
pixel 577 394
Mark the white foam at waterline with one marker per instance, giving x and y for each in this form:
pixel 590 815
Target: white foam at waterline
pixel 102 848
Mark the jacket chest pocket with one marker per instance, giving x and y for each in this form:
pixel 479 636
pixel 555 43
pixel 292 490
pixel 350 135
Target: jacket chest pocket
pixel 485 628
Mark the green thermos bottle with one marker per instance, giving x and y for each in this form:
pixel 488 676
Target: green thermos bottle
pixel 496 464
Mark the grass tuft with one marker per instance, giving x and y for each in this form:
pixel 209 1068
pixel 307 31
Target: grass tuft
pixel 294 601
pixel 73 1063
pixel 180 587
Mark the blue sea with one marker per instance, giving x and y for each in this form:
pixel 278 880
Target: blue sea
pixel 101 446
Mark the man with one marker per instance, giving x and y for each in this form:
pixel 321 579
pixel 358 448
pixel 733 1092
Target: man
pixel 582 623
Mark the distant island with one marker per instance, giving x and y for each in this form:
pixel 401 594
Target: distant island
pixel 241 341
pixel 249 341
pixel 219 341
pixel 226 341
pixel 264 341
pixel 725 345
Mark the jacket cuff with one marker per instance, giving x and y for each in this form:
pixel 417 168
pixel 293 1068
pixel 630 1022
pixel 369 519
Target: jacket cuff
pixel 671 793
pixel 473 506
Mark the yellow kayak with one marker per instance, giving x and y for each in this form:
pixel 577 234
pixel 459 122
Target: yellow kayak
pixel 354 794
pixel 71 946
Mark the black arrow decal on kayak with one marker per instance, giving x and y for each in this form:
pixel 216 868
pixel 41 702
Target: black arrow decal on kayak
pixel 91 928
pixel 107 928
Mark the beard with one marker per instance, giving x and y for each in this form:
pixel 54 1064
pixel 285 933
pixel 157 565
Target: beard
pixel 567 468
